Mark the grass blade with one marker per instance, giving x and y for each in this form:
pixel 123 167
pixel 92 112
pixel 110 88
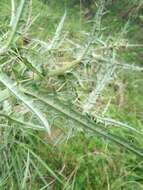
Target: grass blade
pixel 27 164
pixel 41 162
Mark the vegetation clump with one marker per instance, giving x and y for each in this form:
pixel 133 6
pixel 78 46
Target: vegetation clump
pixel 66 100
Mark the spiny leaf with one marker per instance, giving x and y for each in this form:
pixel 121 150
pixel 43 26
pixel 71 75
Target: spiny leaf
pixel 26 125
pixel 57 33
pixel 19 95
pixel 85 123
pixel 14 24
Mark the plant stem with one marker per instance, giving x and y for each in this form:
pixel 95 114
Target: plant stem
pixel 85 123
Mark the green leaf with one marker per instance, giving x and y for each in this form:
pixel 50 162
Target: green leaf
pixel 57 33
pixel 19 95
pixel 26 125
pixel 84 122
pixel 14 24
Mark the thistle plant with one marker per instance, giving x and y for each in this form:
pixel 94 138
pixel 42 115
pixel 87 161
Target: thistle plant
pixel 33 86
pixel 104 60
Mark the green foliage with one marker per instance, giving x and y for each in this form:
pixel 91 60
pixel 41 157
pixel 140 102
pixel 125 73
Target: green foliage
pixel 59 96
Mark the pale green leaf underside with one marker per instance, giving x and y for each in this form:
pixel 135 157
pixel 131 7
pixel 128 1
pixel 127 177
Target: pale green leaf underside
pixel 19 95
